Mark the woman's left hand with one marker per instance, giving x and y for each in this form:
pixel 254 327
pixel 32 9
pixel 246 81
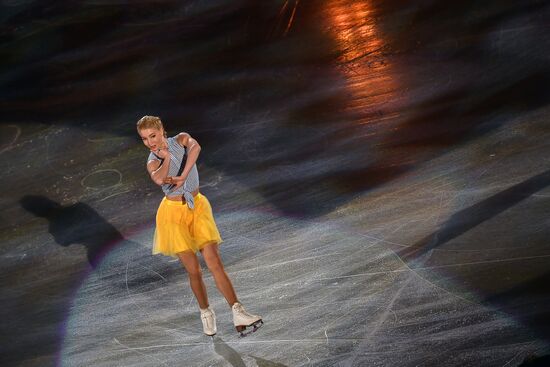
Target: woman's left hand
pixel 177 181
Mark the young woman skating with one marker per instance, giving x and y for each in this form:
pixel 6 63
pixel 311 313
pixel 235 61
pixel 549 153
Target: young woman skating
pixel 184 222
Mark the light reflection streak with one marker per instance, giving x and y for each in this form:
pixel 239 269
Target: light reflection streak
pixel 352 24
pixel 282 15
pixel 291 17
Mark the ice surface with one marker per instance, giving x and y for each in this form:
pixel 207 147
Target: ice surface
pixel 379 172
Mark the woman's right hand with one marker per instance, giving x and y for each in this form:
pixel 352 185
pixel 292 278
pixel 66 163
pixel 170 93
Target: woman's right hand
pixel 162 152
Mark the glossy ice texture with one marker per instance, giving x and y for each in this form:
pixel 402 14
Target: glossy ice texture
pixel 379 172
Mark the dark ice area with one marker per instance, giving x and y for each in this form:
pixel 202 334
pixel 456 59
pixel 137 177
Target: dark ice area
pixel 379 172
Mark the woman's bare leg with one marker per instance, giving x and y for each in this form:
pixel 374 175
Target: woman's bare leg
pixel 191 263
pixel 213 261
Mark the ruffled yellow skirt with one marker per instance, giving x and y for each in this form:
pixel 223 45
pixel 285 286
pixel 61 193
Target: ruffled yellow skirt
pixel 182 229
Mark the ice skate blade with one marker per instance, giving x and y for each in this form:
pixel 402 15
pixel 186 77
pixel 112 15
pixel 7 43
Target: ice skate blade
pixel 243 332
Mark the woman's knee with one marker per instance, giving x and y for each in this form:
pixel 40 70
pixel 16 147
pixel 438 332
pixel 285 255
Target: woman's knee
pixel 215 266
pixel 212 259
pixel 194 273
pixel 191 264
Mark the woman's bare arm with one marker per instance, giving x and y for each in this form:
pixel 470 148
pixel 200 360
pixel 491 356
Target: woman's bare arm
pixel 193 150
pixel 159 170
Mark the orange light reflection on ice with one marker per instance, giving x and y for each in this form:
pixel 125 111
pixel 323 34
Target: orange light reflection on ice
pixel 352 24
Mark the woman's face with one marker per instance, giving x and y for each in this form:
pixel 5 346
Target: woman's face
pixel 152 138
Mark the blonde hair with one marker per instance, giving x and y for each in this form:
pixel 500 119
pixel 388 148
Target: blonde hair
pixel 150 122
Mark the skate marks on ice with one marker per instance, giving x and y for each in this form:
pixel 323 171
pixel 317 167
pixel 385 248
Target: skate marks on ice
pixel 217 345
pixel 361 301
pixel 471 217
pixel 228 353
pixel 235 359
pixel 526 286
pixel 10 133
pixel 155 360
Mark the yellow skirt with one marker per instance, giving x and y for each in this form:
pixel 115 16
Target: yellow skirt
pixel 181 229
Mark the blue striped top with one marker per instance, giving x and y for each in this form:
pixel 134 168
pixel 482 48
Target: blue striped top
pixel 191 184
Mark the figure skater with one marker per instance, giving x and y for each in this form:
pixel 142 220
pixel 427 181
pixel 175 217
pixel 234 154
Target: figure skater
pixel 184 222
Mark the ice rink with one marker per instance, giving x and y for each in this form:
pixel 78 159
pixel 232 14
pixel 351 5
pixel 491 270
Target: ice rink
pixel 379 172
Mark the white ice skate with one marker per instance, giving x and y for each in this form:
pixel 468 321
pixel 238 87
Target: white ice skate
pixel 242 320
pixel 208 318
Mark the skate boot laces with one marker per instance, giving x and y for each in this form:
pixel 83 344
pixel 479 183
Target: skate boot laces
pixel 240 313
